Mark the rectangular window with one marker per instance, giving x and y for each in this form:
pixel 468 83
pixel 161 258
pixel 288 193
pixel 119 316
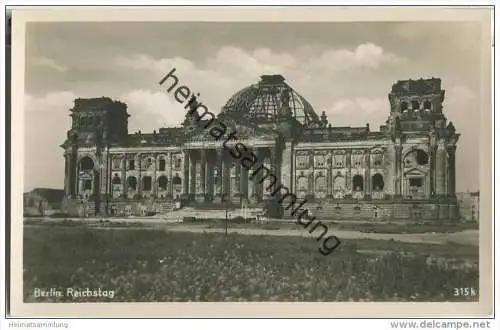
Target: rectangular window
pixel 131 164
pixel 146 183
pixel 416 182
pixel 178 163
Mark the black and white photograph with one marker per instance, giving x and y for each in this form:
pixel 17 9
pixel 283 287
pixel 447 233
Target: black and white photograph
pixel 255 160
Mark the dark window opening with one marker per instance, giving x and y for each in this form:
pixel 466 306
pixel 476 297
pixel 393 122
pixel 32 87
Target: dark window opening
pixel 162 182
pixel 162 165
pixel 416 182
pixel 415 105
pixel 176 180
pixel 378 182
pixel 86 164
pixel 357 183
pixel 87 185
pixel 422 158
pixel 131 164
pixel 427 105
pixel 117 180
pixel 178 163
pixel 146 183
pixel 132 183
pixel 404 106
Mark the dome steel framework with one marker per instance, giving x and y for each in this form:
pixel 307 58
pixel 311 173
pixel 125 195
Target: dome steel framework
pixel 268 101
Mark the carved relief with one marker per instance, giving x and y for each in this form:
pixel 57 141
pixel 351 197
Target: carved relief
pixel 320 161
pixel 177 161
pixel 357 159
pixel 339 161
pixel 302 186
pixel 302 161
pixel 377 158
pixel 116 163
pixel 147 162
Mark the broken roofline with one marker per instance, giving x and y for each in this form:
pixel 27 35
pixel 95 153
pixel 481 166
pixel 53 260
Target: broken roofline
pixel 193 106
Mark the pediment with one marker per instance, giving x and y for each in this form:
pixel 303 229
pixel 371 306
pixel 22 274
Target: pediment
pixel 242 131
pixel 414 172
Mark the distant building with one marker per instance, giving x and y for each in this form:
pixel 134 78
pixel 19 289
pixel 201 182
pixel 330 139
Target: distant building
pixel 404 171
pixel 42 201
pixel 468 204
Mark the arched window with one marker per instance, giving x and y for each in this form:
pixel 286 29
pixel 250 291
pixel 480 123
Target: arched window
pixel 132 182
pixel 339 183
pixel 302 184
pixel 357 183
pixel 427 105
pixel 146 183
pixel 378 182
pixel 403 106
pixel 416 157
pixel 161 166
pixel 320 187
pixel 176 180
pixel 162 182
pixel 86 163
pixel 116 179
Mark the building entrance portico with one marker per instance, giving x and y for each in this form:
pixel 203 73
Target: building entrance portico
pixel 215 175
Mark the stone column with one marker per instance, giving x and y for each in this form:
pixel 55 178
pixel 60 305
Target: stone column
pixel 432 171
pixel 250 185
pixel 185 186
pixel 209 176
pixel 451 171
pixel 226 176
pixel 398 170
pixel 237 180
pixel 441 168
pixel 203 172
pixel 139 174
pixel 218 161
pixel 274 168
pixel 192 175
pixel 285 166
pixel 367 179
pixel 329 178
pixel 257 188
pixel 154 185
pixel 348 165
pixel 169 168
pixel 124 165
pixel 243 181
pixel 312 176
pixel 67 174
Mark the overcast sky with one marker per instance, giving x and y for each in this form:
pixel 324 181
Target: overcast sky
pixel 345 69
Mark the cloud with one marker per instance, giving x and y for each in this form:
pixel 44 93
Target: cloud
pixel 151 110
pixel 47 62
pixel 359 111
pixel 366 55
pixel 53 101
pixel 46 122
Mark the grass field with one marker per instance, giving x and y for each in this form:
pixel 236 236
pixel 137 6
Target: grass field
pixel 155 265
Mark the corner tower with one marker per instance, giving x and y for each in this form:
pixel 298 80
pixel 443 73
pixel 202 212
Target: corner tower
pixel 96 123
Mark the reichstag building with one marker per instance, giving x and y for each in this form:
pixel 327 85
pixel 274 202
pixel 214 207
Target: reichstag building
pixel 404 171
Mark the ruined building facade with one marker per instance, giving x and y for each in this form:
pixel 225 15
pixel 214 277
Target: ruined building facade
pixel 404 171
